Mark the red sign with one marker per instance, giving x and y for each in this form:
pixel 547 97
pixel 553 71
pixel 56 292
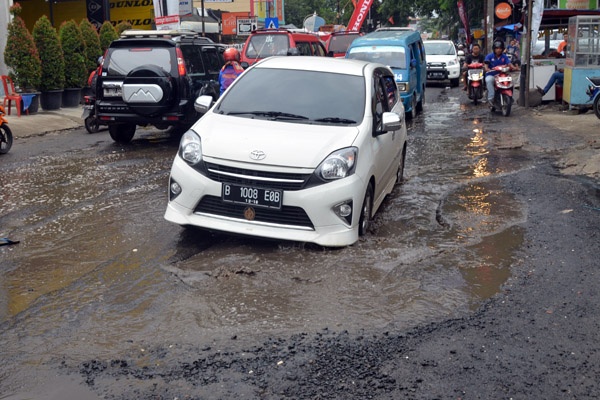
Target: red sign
pixel 359 15
pixel 503 10
pixel 229 21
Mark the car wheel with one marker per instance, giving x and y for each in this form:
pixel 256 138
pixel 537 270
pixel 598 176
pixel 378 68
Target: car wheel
pixel 413 106
pixel 147 90
pixel 365 213
pixel 421 102
pixel 400 172
pixel 122 133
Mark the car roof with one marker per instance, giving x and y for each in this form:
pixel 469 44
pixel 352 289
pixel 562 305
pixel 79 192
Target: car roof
pixel 322 64
pixel 438 41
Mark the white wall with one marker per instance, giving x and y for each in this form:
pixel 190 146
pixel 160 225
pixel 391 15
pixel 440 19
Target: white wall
pixel 4 18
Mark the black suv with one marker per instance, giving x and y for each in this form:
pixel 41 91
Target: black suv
pixel 153 78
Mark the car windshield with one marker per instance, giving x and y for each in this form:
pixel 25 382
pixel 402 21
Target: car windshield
pixel 123 60
pixel 297 96
pixel 262 46
pixel 392 56
pixel 340 43
pixel 440 49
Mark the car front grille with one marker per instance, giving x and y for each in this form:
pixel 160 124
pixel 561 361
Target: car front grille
pixel 287 215
pixel 249 177
pixel 436 65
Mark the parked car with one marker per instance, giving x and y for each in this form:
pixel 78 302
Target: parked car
pixel 310 161
pixel 264 43
pixel 442 61
pixel 153 78
pixel 337 43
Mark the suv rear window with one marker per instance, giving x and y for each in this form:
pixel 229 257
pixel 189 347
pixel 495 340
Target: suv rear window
pixel 201 61
pixel 122 61
pixel 262 46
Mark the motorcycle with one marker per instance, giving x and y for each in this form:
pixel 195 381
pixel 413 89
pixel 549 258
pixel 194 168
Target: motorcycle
pixel 475 81
pixel 90 120
pixel 503 90
pixel 594 92
pixel 6 137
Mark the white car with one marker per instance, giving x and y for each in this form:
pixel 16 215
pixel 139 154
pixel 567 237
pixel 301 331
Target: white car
pixel 298 148
pixel 442 61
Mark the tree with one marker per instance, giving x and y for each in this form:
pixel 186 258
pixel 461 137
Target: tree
pixel 108 33
pixel 92 44
pixel 51 55
pixel 122 26
pixel 21 54
pixel 73 46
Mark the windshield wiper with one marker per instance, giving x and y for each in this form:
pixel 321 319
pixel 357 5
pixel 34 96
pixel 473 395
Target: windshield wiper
pixel 336 120
pixel 272 114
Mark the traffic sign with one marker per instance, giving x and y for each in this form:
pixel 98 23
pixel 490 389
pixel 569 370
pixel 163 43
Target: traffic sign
pixel 271 23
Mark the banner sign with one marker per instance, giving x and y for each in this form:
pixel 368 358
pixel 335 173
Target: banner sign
pixel 359 15
pixel 462 12
pixel 97 12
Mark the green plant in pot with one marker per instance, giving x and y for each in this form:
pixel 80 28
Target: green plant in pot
pixel 122 27
pixel 108 33
pixel 73 47
pixel 52 83
pixel 92 44
pixel 22 58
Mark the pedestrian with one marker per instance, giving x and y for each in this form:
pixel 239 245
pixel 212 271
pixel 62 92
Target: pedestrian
pixel 231 70
pixel 494 59
pixel 562 46
pixel 557 77
pixel 513 51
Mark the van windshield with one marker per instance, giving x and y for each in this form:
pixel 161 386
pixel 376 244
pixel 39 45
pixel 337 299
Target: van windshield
pixel 440 49
pixel 392 56
pixel 262 46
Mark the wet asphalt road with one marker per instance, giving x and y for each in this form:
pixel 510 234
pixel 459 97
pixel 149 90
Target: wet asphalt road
pixel 102 297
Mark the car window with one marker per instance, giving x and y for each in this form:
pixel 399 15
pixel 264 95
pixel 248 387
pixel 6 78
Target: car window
pixel 194 64
pixel 392 56
pixel 261 46
pixel 380 104
pixel 310 94
pixel 318 49
pixel 122 60
pixel 391 90
pixel 212 59
pixel 340 43
pixel 440 49
pixel 304 48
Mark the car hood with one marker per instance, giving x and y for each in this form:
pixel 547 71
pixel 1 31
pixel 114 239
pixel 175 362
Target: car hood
pixel 439 58
pixel 283 144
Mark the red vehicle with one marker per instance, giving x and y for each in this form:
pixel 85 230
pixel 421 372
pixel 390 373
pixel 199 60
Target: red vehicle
pixel 503 90
pixel 475 81
pixel 264 43
pixel 338 42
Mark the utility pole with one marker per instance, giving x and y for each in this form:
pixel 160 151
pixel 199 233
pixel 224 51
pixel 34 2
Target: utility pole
pixel 489 26
pixel 527 58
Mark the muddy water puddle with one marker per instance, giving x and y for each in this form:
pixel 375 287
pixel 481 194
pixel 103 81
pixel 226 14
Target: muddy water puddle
pixel 99 271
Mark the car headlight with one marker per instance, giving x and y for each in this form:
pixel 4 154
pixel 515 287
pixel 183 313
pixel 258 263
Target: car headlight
pixel 403 86
pixel 338 165
pixel 190 147
pixel 452 62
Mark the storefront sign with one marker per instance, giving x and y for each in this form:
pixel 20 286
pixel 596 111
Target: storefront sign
pixel 503 10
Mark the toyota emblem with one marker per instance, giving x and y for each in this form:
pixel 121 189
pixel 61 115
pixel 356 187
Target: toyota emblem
pixel 257 155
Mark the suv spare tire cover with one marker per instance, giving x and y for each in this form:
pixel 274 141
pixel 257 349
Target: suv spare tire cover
pixel 148 90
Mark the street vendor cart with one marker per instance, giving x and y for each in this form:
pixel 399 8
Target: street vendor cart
pixel 583 58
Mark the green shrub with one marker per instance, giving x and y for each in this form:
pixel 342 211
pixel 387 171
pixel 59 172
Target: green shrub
pixel 53 62
pixel 21 56
pixel 73 46
pixel 92 44
pixel 122 26
pixel 108 33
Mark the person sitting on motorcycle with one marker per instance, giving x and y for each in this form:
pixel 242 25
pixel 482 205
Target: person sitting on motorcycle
pixel 494 59
pixel 231 70
pixel 474 57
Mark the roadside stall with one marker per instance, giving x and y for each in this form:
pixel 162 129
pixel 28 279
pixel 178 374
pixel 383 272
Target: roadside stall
pixel 583 58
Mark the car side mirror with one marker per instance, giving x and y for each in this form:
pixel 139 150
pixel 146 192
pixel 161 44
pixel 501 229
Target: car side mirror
pixel 244 64
pixel 330 53
pixel 292 51
pixel 390 121
pixel 203 104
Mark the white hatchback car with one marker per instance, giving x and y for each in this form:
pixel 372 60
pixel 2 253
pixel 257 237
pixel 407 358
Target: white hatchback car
pixel 298 148
pixel 442 61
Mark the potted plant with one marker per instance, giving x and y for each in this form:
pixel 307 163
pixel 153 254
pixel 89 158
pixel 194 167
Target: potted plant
pixel 73 47
pixel 53 63
pixel 108 33
pixel 22 57
pixel 93 51
pixel 123 26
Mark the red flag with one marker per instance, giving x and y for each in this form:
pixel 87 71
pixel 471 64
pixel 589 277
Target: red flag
pixel 391 19
pixel 462 12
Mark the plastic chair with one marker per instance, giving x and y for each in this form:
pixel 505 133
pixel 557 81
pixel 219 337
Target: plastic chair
pixel 10 95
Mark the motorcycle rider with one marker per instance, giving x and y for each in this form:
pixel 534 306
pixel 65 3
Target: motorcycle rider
pixel 231 70
pixel 494 59
pixel 474 56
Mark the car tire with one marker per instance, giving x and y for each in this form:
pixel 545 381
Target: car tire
pixel 421 102
pixel 400 172
pixel 122 133
pixel 150 75
pixel 413 106
pixel 364 221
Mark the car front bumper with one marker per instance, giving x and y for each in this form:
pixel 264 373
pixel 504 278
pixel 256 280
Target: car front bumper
pixel 326 228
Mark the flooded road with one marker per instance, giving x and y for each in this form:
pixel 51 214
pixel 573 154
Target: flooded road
pixel 99 273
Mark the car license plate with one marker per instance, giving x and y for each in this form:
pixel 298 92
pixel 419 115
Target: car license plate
pixel 437 75
pixel 112 92
pixel 259 197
